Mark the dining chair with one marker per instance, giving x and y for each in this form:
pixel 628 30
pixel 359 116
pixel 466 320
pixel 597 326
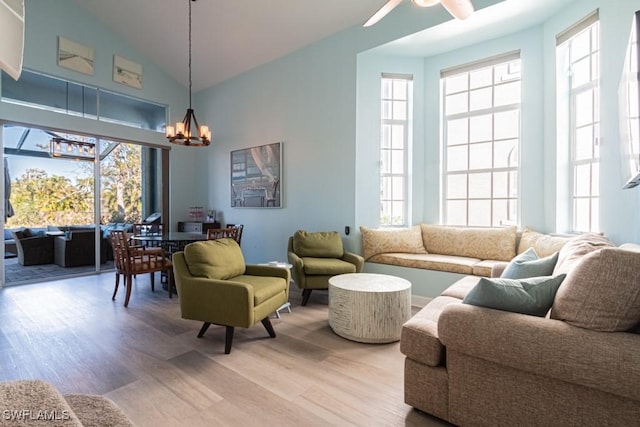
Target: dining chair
pixel 240 227
pixel 133 260
pixel 221 233
pixel 272 195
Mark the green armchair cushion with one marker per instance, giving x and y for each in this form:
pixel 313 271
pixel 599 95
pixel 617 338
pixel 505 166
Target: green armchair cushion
pixel 320 244
pixel 327 266
pixel 215 259
pixel 264 287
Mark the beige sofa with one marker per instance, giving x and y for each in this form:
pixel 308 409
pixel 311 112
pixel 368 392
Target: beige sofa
pixel 578 366
pixel 37 403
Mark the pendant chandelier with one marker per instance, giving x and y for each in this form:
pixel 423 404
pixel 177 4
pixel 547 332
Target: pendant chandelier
pixel 182 134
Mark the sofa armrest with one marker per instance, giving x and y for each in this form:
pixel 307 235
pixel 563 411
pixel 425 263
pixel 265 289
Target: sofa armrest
pixel 498 268
pixel 268 270
pixel 354 259
pixel 607 361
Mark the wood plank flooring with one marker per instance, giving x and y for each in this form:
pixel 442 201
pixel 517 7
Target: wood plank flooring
pixel 149 361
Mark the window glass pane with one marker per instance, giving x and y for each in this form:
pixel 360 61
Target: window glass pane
pixel 397 138
pixel 456 212
pixel 480 156
pixel 584 143
pixel 580 45
pixel 399 110
pixel 508 93
pixel 595 215
pixel 581 214
pixel 385 137
pixel 385 187
pixel 479 212
pixel 397 165
pixel 584 108
pixel 457 186
pixel 582 182
pixel 480 78
pixel 595 179
pixel 501 185
pixel 386 109
pixel 397 214
pixel 457 83
pixel 457 103
pixel 397 187
pixel 399 89
pixel 386 88
pixel 458 131
pixel 581 72
pixel 481 128
pixel 480 99
pixel 479 185
pixel 385 161
pixel 507 72
pixel 500 213
pixel 457 158
pixel 505 153
pixel 507 124
pixel 513 184
pixel 385 212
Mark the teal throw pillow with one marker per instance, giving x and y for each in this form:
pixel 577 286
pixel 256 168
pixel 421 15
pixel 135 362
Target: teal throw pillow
pixel 528 264
pixel 533 296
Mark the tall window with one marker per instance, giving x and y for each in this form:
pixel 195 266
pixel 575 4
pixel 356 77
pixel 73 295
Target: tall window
pixel 481 113
pixel 395 135
pixel 579 49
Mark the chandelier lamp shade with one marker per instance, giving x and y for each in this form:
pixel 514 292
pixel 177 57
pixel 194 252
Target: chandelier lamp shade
pixel 183 132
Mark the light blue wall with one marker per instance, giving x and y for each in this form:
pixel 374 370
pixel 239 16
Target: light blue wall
pixel 45 21
pixel 323 102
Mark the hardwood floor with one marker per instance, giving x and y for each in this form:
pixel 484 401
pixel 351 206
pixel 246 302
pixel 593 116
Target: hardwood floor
pixel 149 361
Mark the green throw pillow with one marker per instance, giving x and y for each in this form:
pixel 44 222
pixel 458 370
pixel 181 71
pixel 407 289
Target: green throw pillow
pixel 215 259
pixel 320 244
pixel 533 296
pixel 528 264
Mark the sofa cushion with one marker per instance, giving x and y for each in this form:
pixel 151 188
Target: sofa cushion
pixel 327 266
pixel 419 338
pixel 214 259
pixel 576 248
pixel 486 267
pixel 319 244
pixel 533 296
pixel 400 240
pixel 602 292
pixel 483 243
pixel 543 244
pixel 450 263
pixel 461 288
pixel 528 264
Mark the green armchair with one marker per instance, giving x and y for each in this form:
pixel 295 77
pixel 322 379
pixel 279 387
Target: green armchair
pixel 216 287
pixel 318 256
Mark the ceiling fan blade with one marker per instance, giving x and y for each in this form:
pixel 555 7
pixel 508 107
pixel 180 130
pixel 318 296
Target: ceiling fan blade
pixel 382 12
pixel 461 9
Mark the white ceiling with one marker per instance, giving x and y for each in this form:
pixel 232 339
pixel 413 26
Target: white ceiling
pixel 228 36
pixel 233 36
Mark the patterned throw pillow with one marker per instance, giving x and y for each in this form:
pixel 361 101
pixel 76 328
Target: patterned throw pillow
pixel 384 241
pixel 544 244
pixel 576 248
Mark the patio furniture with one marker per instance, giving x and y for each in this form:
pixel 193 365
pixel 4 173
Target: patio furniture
pixel 34 248
pixel 78 247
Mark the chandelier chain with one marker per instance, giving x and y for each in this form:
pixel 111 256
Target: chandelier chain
pixel 190 52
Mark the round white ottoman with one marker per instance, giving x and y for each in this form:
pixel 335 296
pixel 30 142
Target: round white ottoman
pixel 369 308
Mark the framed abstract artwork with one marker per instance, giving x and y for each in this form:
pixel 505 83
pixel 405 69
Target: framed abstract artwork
pixel 127 72
pixel 75 56
pixel 256 177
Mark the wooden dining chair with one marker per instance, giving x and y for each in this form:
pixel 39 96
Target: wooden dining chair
pixel 133 260
pixel 221 233
pixel 240 227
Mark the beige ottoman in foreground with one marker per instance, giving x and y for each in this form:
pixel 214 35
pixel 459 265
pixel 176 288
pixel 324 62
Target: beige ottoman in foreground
pixel 369 308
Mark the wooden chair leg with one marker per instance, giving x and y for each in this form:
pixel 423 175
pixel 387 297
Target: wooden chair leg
pixel 170 282
pixel 269 327
pixel 115 290
pixel 228 340
pixel 153 285
pixel 306 293
pixel 204 328
pixel 128 282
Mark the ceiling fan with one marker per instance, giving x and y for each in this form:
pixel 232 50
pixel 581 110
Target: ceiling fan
pixel 460 9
